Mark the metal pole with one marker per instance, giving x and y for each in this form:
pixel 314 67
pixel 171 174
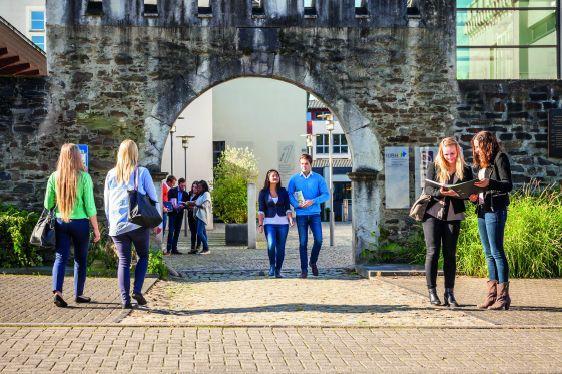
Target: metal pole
pixel 331 178
pixel 171 153
pixel 185 176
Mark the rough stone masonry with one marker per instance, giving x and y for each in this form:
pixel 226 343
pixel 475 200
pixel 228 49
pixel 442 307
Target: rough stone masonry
pixel 390 78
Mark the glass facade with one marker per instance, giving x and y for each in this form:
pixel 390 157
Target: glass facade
pixel 507 39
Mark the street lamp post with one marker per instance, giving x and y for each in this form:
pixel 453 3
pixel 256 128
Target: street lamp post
pixel 172 131
pixel 330 128
pixel 185 144
pixel 308 143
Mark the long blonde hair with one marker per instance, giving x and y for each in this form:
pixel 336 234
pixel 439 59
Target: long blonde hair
pixel 127 160
pixel 441 163
pixel 69 168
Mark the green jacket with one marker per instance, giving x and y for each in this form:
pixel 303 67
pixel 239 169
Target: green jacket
pixel 84 206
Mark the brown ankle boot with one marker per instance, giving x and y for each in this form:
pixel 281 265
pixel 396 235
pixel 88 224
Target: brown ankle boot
pixel 503 300
pixel 491 296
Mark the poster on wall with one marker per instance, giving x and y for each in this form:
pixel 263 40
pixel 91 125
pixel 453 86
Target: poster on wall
pixel 397 177
pixel 84 152
pixel 286 160
pixel 422 157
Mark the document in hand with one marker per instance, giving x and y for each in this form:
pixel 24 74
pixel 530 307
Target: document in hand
pixel 464 189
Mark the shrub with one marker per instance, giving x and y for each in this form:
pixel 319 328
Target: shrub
pixel 410 251
pixel 156 264
pixel 15 230
pixel 102 258
pixel 236 167
pixel 533 236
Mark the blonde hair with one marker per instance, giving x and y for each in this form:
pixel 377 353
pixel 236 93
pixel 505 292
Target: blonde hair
pixel 127 160
pixel 441 163
pixel 69 168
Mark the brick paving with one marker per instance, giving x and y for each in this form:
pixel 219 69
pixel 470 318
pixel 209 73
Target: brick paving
pixel 282 350
pixel 28 299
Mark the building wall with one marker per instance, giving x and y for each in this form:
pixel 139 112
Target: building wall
pixel 17 12
pixel 264 115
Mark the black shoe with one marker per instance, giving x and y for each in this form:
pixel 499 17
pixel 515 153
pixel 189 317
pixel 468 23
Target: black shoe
pixel 304 275
pixel 127 306
pixel 433 298
pixel 192 252
pixel 449 297
pixel 59 301
pixel 314 269
pixel 176 252
pixel 82 299
pixel 139 298
pixel 278 274
pixel 271 271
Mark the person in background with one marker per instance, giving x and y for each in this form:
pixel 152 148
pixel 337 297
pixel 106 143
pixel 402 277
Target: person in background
pixel 191 220
pixel 166 205
pixel 178 197
pixel 202 212
pixel 442 221
pixel 274 217
pixel 307 190
pixel 494 174
pixel 124 177
pixel 71 191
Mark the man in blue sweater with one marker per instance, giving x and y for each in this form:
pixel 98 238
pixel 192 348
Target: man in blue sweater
pixel 307 190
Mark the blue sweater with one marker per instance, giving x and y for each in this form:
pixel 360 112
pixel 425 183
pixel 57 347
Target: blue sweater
pixel 313 188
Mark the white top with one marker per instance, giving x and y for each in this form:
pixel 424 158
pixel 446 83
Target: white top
pixel 481 175
pixel 277 220
pixel 204 212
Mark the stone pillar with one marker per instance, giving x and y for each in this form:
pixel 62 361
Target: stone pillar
pixel 251 188
pixel 366 208
pixel 158 178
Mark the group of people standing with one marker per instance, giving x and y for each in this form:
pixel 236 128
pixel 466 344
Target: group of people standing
pixel 175 202
pixel 70 193
pixel 446 210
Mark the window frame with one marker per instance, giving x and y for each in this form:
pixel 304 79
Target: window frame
pixel 325 145
pixel 337 147
pixel 558 16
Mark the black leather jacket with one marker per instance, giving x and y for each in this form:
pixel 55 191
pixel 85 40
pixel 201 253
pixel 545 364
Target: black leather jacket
pixel 497 196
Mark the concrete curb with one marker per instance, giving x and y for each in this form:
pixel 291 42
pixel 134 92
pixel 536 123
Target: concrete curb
pixel 391 270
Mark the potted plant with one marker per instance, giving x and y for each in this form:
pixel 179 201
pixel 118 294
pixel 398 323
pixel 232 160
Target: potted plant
pixel 235 169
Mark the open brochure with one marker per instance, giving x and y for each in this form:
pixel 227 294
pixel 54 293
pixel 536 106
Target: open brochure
pixel 464 189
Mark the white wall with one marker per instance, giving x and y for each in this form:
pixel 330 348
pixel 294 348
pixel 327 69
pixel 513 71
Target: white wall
pixel 198 121
pixel 265 115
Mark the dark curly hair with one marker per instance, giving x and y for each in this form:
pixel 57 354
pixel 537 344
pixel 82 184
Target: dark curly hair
pixel 266 182
pixel 488 148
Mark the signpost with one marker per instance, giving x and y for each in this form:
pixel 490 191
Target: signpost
pixel 397 177
pixel 85 155
pixel 555 133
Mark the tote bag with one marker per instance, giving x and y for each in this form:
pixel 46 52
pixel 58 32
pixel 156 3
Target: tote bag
pixel 142 210
pixel 43 234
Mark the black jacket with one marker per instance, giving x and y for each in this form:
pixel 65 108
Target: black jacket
pixel 269 208
pixel 458 203
pixel 173 194
pixel 497 196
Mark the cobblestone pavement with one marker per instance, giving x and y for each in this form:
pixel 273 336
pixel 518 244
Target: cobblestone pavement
pixel 279 350
pixel 28 299
pixel 224 258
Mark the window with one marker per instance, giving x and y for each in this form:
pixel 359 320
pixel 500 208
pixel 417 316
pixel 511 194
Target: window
pixel 37 20
pixel 507 39
pixel 218 147
pixel 150 7
pixel 322 143
pixel 340 143
pixel 257 7
pixel 361 8
pixel 204 7
pixel 310 8
pixel 39 40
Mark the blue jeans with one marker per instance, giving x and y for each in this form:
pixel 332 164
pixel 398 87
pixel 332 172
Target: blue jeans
pixel 202 233
pixel 76 231
pixel 164 220
pixel 174 231
pixel 276 236
pixel 303 223
pixel 141 239
pixel 491 227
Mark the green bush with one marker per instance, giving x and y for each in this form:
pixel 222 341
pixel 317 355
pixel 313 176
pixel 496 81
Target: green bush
pixel 410 251
pixel 102 258
pixel 15 230
pixel 236 167
pixel 533 236
pixel 156 264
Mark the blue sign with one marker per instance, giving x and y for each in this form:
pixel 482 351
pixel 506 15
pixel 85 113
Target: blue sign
pixel 85 154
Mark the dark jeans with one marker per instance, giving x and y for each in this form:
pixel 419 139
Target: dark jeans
pixel 164 221
pixel 441 235
pixel 191 220
pixel 202 233
pixel 315 224
pixel 491 227
pixel 141 240
pixel 77 232
pixel 276 236
pixel 175 222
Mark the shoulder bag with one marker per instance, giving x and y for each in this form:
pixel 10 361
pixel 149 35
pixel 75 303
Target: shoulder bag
pixel 142 210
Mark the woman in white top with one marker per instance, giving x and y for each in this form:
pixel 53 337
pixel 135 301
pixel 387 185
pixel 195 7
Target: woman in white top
pixel 274 217
pixel 202 214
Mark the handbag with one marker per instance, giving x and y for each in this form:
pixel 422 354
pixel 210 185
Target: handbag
pixel 142 210
pixel 417 211
pixel 43 234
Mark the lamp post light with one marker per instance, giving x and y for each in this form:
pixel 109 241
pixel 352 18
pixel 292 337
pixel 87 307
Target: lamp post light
pixel 172 131
pixel 185 144
pixel 329 117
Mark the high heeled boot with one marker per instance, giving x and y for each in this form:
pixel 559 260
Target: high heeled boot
pixel 449 297
pixel 491 296
pixel 433 298
pixel 503 301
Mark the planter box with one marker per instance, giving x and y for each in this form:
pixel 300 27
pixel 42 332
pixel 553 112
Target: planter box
pixel 236 234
